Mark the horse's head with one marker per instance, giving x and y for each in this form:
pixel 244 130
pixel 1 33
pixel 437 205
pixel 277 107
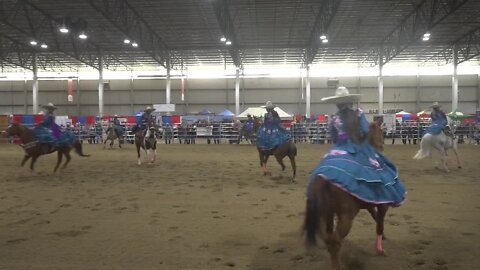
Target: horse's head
pixel 12 130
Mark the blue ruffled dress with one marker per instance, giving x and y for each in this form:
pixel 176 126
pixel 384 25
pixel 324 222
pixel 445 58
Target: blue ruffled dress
pixel 439 121
pixel 360 169
pixel 48 132
pixel 271 133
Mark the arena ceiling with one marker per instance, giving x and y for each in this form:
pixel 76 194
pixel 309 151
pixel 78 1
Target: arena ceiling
pixel 185 33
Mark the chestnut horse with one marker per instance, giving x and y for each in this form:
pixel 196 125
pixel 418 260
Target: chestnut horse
pixel 288 148
pixel 34 149
pixel 325 201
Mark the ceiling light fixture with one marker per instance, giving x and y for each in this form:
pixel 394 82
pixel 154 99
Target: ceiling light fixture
pixel 223 39
pixel 82 36
pixel 134 44
pixel 426 36
pixel 44 46
pixel 126 41
pixel 324 40
pixel 228 42
pixel 33 42
pixel 323 37
pixel 63 30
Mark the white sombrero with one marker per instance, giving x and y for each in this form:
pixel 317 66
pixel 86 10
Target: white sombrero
pixel 268 105
pixel 49 106
pixel 342 95
pixel 435 105
pixel 150 109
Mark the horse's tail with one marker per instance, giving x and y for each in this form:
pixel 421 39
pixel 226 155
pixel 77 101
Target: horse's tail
pixel 78 148
pixel 313 214
pixel 425 147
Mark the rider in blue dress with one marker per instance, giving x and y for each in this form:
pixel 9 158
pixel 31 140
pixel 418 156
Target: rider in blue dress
pixel 271 133
pixel 144 120
pixel 439 120
pixel 356 166
pixel 249 123
pixel 117 126
pixel 47 132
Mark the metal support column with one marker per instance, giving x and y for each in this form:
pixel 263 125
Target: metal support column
pixel 478 91
pixel 131 95
pixel 35 85
pixel 380 85
pixel 168 83
pixel 237 92
pixel 417 92
pixel 455 80
pixel 78 95
pixel 307 93
pixel 100 85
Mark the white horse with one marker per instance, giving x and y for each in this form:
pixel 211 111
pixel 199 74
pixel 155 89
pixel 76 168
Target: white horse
pixel 442 142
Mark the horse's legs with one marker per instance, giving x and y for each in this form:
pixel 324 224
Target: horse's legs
pixel 294 166
pixel 263 162
pixel 280 161
pixel 59 159
pixel 137 144
pixel 381 212
pixel 459 163
pixel 25 158
pixel 32 163
pixel 334 241
pixel 67 155
pixel 105 143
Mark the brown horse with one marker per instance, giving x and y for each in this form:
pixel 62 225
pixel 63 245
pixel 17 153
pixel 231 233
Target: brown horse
pixel 327 201
pixel 146 140
pixel 34 149
pixel 288 148
pixel 112 136
pixel 249 135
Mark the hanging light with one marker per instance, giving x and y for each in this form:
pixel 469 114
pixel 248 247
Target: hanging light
pixel 324 40
pixel 323 37
pixel 82 35
pixel 44 46
pixel 228 42
pixel 126 41
pixel 223 39
pixel 426 36
pixel 134 44
pixel 63 30
pixel 33 42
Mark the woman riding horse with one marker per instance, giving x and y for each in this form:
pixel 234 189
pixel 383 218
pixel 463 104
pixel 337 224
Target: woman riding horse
pixel 352 175
pixel 49 134
pixel 271 134
pixel 439 120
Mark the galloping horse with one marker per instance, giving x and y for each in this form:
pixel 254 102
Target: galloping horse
pixel 288 148
pixel 326 200
pixel 249 135
pixel 112 136
pixel 147 142
pixel 442 142
pixel 34 149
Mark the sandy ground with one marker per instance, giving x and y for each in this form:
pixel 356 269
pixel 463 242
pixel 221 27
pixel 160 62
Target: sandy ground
pixel 209 207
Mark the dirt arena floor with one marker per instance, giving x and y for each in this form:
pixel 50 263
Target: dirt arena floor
pixel 209 207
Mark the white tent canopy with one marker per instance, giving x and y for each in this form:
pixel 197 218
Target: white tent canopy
pixel 260 112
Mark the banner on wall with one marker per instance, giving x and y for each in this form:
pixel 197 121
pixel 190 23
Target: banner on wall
pixel 70 90
pixel 164 107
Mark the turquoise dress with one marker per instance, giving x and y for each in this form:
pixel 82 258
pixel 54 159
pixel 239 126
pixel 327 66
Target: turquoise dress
pixel 439 121
pixel 359 169
pixel 48 132
pixel 271 133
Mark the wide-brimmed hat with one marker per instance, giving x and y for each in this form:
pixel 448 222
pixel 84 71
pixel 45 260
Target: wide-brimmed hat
pixel 435 105
pixel 342 95
pixel 149 109
pixel 269 105
pixel 49 106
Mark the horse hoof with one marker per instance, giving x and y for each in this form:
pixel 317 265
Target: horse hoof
pixel 381 253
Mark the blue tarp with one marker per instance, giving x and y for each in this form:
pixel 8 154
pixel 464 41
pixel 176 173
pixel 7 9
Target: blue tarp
pixel 82 120
pixel 226 113
pixel 205 111
pixel 166 119
pixel 27 119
